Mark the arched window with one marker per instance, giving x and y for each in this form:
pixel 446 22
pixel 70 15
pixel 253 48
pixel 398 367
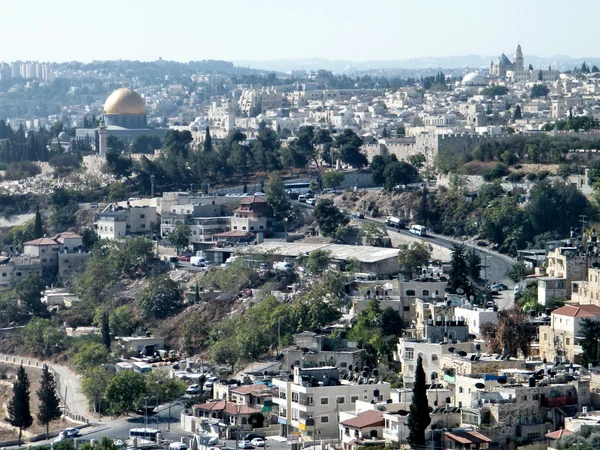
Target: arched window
pixel 434 357
pixel 425 293
pixel 410 293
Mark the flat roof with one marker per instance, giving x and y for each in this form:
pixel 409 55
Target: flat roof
pixel 362 253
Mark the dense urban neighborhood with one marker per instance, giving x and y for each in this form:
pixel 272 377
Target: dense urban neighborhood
pixel 209 256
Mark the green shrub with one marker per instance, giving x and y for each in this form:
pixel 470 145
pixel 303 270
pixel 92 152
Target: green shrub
pixel 498 171
pixel 515 177
pixel 531 176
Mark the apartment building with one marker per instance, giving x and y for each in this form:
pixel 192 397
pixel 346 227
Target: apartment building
pixel 252 214
pixel 204 220
pixel 309 405
pixel 564 265
pixel 17 268
pixel 116 222
pixel 561 338
pixel 60 254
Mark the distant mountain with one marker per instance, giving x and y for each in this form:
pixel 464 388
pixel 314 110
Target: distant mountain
pixel 561 62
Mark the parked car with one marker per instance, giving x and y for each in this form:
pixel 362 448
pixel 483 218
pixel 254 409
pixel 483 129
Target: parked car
pixel 258 442
pixel 498 287
pixel 490 304
pixel 311 201
pixel 245 444
pixel 184 258
pixel 359 215
pixel 193 389
pixel 251 436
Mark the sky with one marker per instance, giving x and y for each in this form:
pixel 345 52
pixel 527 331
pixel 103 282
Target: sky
pixel 357 30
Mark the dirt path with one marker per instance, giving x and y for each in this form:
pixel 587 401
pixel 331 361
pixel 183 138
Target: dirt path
pixel 68 383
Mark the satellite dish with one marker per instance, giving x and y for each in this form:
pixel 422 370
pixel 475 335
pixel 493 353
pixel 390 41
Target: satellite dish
pixel 381 408
pixel 402 413
pixel 451 349
pixel 460 291
pixel 502 380
pixel 480 385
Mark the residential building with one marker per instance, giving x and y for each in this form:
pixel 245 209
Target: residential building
pixel 136 344
pixel 256 396
pixel 115 223
pixel 465 440
pixel 474 317
pixel 60 254
pixel 252 215
pixel 309 405
pixel 564 265
pixel 587 291
pixel 364 428
pixel 313 350
pixel 228 416
pixel 16 268
pixel 562 337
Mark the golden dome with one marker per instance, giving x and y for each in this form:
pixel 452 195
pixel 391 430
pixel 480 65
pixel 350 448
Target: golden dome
pixel 124 101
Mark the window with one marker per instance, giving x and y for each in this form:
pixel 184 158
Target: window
pixel 545 336
pixel 434 357
pixel 524 398
pixel 409 353
pixel 142 216
pixel 18 274
pixel 3 274
pixel 294 396
pixel 567 341
pixel 425 293
pixel 324 419
pixel 324 401
pixel 410 293
pixel 353 399
pixel 536 396
pixel 143 225
pixel 341 400
pixel 406 309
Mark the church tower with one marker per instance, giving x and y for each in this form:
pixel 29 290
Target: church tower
pixel 518 58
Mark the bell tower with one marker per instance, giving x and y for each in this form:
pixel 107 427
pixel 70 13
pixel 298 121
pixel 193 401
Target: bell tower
pixel 518 58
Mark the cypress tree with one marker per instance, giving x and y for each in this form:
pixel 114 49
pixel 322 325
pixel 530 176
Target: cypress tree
pixel 19 411
pixel 105 331
pixel 49 408
pixel 540 76
pixel 197 294
pixel 458 276
pixel 38 229
pixel 418 418
pixel 208 141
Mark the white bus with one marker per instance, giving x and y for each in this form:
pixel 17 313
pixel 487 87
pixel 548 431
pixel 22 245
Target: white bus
pixel 145 434
pixel 121 366
pixel 419 230
pixel 142 368
pixel 298 188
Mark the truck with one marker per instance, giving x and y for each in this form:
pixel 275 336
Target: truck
pixel 282 265
pixel 198 261
pixel 142 368
pixel 395 222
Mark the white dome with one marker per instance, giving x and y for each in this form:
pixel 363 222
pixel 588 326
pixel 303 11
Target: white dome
pixel 474 79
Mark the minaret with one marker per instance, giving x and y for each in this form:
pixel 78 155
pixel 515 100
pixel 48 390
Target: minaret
pixel 518 58
pixel 102 138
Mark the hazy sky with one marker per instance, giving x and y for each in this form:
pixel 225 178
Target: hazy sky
pixel 184 30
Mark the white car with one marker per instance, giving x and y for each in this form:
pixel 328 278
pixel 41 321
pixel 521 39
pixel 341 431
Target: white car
pixel 311 201
pixel 71 432
pixel 258 442
pixel 245 444
pixel 194 389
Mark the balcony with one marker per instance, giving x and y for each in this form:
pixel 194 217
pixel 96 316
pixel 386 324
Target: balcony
pixel 559 401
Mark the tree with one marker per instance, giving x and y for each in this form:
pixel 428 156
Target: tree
pixel 517 113
pixel 595 69
pixel 540 76
pixel 38 228
pixel 423 212
pixel 417 161
pixel 49 406
pixel 584 68
pixel 19 411
pixel 418 417
pixel 105 331
pixel 400 130
pixel 277 198
pixel 91 354
pixel 93 385
pixel 399 172
pixel 207 141
pixel 518 272
pixel 226 351
pixel 473 265
pixel 88 239
pixel 29 292
pixel 512 334
pixel 372 233
pixel 590 342
pixel 124 390
pixel 414 256
pixel 161 298
pixel 458 278
pixel 530 67
pixel 353 156
pixel 318 261
pixel 180 236
pixel 539 90
pixel 329 217
pixel 333 179
pixel 42 338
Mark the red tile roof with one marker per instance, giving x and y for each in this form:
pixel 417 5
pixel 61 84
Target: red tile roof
pixel 467 437
pixel 41 241
pixel 578 311
pixel 233 409
pixel 558 434
pixel 365 419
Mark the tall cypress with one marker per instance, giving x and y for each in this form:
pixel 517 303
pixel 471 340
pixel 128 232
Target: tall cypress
pixel 105 331
pixel 49 408
pixel 38 229
pixel 208 141
pixel 418 418
pixel 19 410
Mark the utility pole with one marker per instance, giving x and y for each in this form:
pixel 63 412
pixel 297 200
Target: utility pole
pixel 152 185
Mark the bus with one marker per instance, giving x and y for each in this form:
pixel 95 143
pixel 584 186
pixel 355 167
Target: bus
pixel 298 188
pixel 121 366
pixel 419 230
pixel 142 368
pixel 145 434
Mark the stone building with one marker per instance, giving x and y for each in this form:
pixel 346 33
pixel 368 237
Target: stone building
pixel 503 65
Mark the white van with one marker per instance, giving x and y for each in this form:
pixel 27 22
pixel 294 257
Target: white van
pixel 419 230
pixel 302 198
